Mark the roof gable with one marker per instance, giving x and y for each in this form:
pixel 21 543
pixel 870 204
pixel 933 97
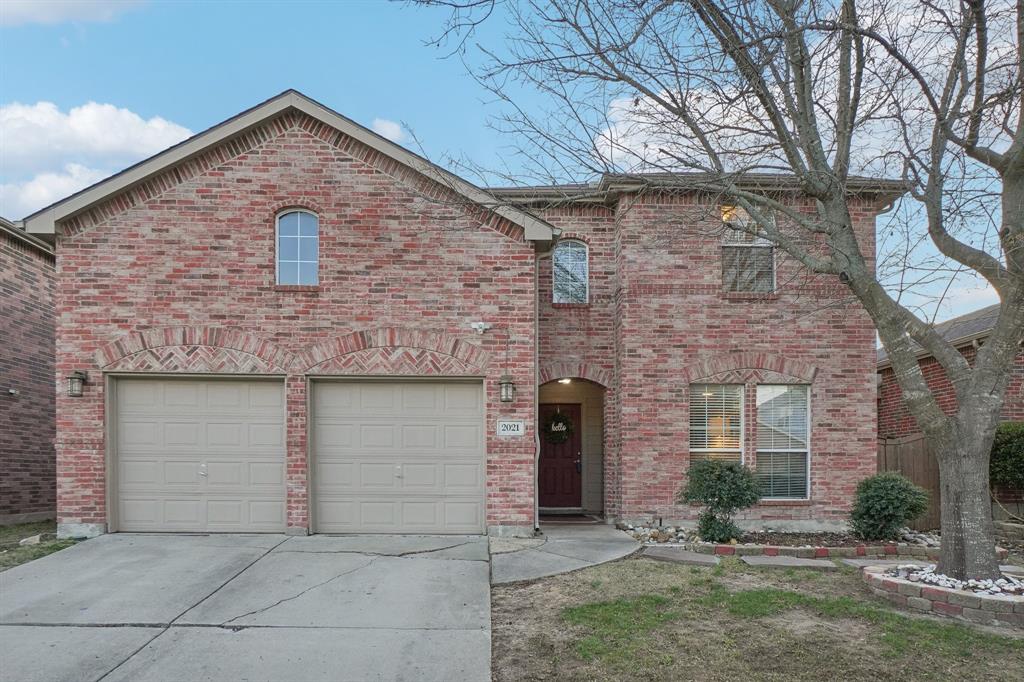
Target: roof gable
pixel 45 220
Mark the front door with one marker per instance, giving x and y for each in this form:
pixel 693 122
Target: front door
pixel 560 463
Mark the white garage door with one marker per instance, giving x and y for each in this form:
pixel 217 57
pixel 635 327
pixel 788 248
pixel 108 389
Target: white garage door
pixel 200 455
pixel 398 457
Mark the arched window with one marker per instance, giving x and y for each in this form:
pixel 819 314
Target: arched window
pixel 570 272
pixel 298 248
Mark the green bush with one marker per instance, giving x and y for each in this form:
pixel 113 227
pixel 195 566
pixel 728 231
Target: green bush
pixel 885 503
pixel 723 488
pixel 1006 467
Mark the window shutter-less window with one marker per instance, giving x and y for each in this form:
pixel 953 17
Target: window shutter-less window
pixel 716 416
pixel 748 261
pixel 782 441
pixel 570 272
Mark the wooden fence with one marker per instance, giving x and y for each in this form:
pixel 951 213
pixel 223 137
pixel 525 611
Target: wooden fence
pixel 911 456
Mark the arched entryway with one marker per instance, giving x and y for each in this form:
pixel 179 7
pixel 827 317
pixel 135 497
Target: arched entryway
pixel 570 476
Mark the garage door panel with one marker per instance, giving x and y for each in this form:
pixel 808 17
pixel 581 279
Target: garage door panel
pixel 392 457
pixel 200 455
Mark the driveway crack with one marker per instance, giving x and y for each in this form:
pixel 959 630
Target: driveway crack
pixel 412 552
pixel 167 627
pixel 296 596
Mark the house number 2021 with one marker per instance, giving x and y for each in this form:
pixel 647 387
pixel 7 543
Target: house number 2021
pixel 511 428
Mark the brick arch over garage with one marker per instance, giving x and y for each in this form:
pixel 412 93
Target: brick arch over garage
pixel 749 360
pixel 395 350
pixel 199 349
pixel 549 371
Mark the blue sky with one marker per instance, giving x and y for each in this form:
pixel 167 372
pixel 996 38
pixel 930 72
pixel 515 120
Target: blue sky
pixel 88 87
pixel 195 64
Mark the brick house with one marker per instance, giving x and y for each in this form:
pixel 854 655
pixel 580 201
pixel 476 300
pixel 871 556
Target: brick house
pixel 967 333
pixel 287 323
pixel 27 487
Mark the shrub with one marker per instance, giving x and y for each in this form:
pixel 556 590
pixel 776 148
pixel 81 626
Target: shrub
pixel 1006 467
pixel 885 503
pixel 723 488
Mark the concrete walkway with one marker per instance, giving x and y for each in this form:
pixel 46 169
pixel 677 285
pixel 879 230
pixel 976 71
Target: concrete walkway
pixel 565 548
pixel 155 608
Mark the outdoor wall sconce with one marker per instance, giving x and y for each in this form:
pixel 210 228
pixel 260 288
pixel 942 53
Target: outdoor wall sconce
pixel 76 383
pixel 508 389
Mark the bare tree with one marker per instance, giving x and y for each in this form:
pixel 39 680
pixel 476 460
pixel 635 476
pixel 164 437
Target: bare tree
pixel 711 92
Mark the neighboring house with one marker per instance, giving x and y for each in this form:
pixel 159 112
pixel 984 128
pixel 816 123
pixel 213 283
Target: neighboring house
pixel 27 483
pixel 966 333
pixel 288 323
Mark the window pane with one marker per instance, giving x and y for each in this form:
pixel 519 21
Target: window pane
pixel 570 272
pixel 288 224
pixel 727 456
pixel 782 474
pixel 782 417
pixel 287 273
pixel 715 416
pixel 308 224
pixel 307 248
pixel 287 248
pixel 748 268
pixel 307 273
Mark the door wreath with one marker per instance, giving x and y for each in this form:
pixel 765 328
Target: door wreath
pixel 558 428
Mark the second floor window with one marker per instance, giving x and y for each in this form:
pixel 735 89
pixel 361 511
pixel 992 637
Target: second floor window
pixel 298 248
pixel 570 272
pixel 748 261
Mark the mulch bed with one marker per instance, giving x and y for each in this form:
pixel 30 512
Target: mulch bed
pixel 802 539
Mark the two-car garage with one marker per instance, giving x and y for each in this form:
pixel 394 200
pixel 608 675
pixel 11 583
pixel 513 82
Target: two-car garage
pixel 209 455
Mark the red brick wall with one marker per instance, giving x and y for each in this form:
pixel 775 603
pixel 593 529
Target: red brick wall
pixel 895 420
pixel 178 276
pixel 659 320
pixel 26 366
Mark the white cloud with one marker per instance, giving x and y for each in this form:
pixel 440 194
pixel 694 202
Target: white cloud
pixel 18 199
pixel 19 12
pixel 48 154
pixel 389 129
pixel 40 137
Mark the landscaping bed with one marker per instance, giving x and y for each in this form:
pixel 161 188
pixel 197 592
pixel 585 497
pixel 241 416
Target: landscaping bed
pixel 990 602
pixel 640 619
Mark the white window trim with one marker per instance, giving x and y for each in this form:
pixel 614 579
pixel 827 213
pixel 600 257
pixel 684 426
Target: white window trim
pixel 554 274
pixel 809 432
pixel 743 424
pixel 277 246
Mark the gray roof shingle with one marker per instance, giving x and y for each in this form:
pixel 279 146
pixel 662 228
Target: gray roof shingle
pixel 972 324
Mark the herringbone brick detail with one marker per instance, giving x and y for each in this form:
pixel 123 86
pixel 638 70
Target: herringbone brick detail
pixel 392 361
pixel 193 359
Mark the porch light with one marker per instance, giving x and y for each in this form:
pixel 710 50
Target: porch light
pixel 507 388
pixel 76 383
pixel 566 380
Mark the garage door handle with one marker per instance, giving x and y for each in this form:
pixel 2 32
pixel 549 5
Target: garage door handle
pixel 202 469
pixel 398 471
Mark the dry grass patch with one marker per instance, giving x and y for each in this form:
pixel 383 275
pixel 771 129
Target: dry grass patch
pixel 643 620
pixel 12 554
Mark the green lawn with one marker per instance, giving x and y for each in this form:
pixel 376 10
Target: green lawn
pixel 11 554
pixel 643 620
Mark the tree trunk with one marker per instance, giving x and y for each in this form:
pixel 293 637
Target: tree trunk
pixel 968 537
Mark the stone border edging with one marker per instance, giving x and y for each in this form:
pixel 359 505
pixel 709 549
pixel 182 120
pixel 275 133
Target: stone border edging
pixel 977 608
pixel 886 551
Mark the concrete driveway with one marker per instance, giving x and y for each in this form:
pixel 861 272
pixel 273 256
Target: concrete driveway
pixel 249 607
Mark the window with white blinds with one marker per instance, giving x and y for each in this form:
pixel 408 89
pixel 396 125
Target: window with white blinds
pixel 748 261
pixel 716 422
pixel 783 432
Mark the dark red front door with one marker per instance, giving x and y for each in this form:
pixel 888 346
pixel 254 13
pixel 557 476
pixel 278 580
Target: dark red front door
pixel 559 476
